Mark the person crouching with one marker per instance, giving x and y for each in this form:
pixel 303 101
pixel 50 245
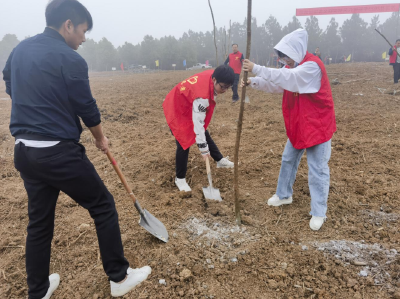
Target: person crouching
pixel 188 109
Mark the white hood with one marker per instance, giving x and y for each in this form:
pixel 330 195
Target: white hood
pixel 294 45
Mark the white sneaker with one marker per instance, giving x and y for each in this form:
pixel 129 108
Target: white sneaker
pixel 182 185
pixel 54 282
pixel 316 222
pixel 134 278
pixel 276 202
pixel 225 163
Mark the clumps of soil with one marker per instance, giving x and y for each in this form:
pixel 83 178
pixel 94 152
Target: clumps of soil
pixel 374 258
pixel 378 217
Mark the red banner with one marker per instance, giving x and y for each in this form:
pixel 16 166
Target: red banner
pixel 336 10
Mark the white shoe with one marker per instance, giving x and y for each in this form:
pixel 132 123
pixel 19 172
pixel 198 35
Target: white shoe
pixel 182 185
pixel 225 163
pixel 276 202
pixel 134 278
pixel 54 282
pixel 316 222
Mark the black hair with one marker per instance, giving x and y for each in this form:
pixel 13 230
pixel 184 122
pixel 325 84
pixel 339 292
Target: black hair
pixel 397 40
pixel 224 74
pixel 59 11
pixel 280 54
pixel 235 44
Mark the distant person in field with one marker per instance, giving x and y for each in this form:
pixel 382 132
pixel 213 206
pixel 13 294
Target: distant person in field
pixel 394 60
pixel 318 53
pixel 235 61
pixel 48 83
pixel 188 108
pixel 309 117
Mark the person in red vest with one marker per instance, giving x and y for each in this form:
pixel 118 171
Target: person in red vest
pixel 395 61
pixel 235 61
pixel 188 109
pixel 309 117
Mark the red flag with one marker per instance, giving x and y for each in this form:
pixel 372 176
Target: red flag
pixel 122 66
pixel 335 10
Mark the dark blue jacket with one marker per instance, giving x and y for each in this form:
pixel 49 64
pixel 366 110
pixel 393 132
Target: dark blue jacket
pixel 49 86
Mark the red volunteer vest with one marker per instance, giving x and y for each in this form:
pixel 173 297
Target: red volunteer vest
pixel 393 57
pixel 310 117
pixel 178 106
pixel 235 62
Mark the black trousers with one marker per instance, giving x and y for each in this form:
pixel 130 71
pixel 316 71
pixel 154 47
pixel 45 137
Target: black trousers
pixel 396 72
pixel 65 167
pixel 182 156
pixel 235 95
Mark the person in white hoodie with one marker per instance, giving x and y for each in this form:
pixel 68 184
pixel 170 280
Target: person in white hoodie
pixel 309 115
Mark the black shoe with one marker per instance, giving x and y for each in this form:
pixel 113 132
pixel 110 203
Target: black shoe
pixel 235 100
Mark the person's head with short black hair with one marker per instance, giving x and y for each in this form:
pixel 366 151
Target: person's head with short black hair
pixel 71 19
pixel 235 48
pixel 223 78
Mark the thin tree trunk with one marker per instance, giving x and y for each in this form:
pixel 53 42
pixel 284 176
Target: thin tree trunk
pixel 215 43
pixel 225 47
pixel 230 31
pixel 240 122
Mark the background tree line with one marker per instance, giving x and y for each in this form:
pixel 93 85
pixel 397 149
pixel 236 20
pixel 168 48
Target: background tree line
pixel 355 37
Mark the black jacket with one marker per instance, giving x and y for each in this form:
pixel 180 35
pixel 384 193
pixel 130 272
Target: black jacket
pixel 49 86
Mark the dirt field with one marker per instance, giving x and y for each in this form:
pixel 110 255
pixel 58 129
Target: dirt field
pixel 274 254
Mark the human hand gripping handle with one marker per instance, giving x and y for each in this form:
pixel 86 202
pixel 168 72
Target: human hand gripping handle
pixel 205 156
pixel 101 141
pixel 247 83
pixel 248 65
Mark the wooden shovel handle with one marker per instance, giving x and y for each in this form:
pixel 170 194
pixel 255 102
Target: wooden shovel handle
pixel 121 175
pixel 208 165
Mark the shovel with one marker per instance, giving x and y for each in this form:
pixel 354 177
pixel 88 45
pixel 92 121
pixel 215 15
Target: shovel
pixel 147 221
pixel 210 192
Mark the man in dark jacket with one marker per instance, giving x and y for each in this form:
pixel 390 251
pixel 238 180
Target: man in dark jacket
pixel 395 61
pixel 49 86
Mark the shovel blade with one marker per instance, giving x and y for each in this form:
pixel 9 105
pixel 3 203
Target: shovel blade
pixel 212 193
pixel 153 226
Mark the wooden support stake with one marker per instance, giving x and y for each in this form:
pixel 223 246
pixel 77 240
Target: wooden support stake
pixel 240 121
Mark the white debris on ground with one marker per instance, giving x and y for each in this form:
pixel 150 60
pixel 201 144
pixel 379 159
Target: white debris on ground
pixel 378 217
pixel 227 238
pixel 373 257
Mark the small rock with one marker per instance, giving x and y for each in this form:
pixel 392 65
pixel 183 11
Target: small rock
pixel 185 274
pixel 234 260
pixel 96 296
pixel 363 273
pixel 162 281
pixel 80 265
pixel 83 227
pixel 351 282
pixel 210 266
pixel 181 293
pixel 272 283
pixel 208 261
pixel 304 247
pixel 284 265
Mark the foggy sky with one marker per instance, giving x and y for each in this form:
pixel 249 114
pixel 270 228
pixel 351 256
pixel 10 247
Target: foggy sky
pixel 131 20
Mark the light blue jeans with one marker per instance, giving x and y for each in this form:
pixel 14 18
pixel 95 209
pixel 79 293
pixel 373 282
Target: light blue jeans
pixel 318 174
